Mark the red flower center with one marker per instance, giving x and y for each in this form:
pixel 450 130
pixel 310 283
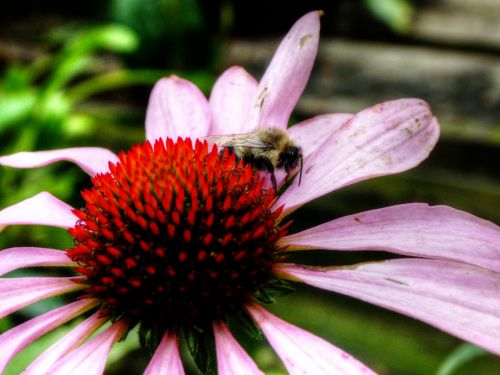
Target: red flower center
pixel 176 235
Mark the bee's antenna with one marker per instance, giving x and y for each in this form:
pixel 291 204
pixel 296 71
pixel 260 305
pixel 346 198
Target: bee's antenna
pixel 301 165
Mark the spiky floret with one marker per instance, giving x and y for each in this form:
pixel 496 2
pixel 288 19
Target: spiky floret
pixel 176 235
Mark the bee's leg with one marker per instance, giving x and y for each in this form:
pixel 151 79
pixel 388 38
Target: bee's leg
pixel 263 164
pixel 267 165
pixel 273 181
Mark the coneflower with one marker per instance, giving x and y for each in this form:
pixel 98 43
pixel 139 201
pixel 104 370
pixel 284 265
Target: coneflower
pixel 175 237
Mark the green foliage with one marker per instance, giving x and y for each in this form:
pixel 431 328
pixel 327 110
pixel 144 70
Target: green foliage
pixel 168 30
pixel 34 98
pixel 397 14
pixel 40 104
pixel 155 19
pixel 460 356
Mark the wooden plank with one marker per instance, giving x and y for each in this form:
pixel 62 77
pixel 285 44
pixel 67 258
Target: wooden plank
pixel 463 88
pixel 460 22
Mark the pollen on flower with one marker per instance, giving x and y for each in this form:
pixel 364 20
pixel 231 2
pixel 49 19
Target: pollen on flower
pixel 176 235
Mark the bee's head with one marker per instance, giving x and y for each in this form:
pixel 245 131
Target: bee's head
pixel 290 158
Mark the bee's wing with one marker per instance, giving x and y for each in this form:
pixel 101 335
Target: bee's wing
pixel 236 140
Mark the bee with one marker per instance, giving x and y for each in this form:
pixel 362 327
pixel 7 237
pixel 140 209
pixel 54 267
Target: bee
pixel 265 148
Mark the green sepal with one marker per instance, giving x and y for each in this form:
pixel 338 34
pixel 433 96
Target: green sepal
pixel 201 346
pixel 273 289
pixel 247 324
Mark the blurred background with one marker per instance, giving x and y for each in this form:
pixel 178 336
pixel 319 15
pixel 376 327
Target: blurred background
pixel 79 74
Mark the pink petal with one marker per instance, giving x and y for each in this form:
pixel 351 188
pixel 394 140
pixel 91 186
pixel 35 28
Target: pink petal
pixel 177 108
pixel 231 357
pixel 19 257
pixel 410 229
pixel 15 339
pixel 18 292
pixel 91 357
pixel 41 209
pixel 92 160
pixel 230 100
pixel 166 359
pixel 388 138
pixel 458 298
pixel 43 364
pixel 310 134
pixel 301 351
pixel 287 74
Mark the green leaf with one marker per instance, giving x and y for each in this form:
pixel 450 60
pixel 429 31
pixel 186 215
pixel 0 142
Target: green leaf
pixel 75 58
pixel 397 14
pixel 53 108
pixel 460 356
pixel 115 38
pixel 16 78
pixel 112 81
pixel 15 107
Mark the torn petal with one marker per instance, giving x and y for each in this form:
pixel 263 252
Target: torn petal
pixel 457 298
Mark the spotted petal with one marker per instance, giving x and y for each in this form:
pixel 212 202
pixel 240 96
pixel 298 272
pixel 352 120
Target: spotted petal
pixel 17 338
pixel 410 229
pixel 230 100
pixel 458 298
pixel 18 257
pixel 303 352
pixel 287 74
pixel 176 108
pixel 166 359
pixel 92 160
pixel 388 138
